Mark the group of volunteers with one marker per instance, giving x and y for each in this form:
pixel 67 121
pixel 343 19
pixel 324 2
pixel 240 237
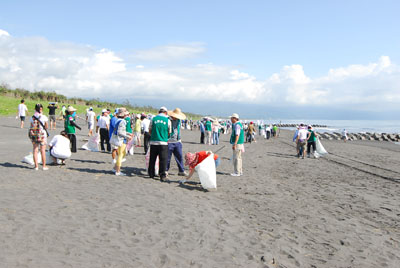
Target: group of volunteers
pixel 305 137
pixel 162 138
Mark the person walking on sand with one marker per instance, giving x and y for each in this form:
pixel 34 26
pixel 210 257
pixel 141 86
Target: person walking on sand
pixel 311 139
pixel 208 128
pixel 52 114
pixel 122 138
pixel 237 140
pixel 215 132
pixel 344 135
pixel 69 127
pixel 146 134
pixel 159 130
pixel 90 115
pixel 174 141
pixel 301 140
pixel 138 130
pixel 38 135
pixel 22 112
pixel 104 125
pixel 202 131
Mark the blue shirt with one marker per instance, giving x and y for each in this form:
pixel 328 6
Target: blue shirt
pixel 112 125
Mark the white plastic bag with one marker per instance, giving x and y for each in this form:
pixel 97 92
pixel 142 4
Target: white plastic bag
pixel 130 147
pixel 320 149
pixel 93 143
pixel 29 159
pixel 156 167
pixel 207 173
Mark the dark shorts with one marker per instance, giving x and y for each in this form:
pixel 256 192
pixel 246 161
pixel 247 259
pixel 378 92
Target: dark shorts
pixel 22 118
pixel 52 118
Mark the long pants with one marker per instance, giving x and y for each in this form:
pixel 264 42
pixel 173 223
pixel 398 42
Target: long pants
pixel 176 149
pixel 162 152
pixel 146 142
pixel 72 139
pixel 202 138
pixel 309 144
pixel 215 138
pixel 208 137
pixel 104 137
pixel 237 161
pixel 121 151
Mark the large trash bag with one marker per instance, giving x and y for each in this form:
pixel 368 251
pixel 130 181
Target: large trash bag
pixel 93 143
pixel 207 173
pixel 29 159
pixel 320 149
pixel 130 147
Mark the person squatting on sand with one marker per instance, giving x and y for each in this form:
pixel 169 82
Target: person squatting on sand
pixel 192 160
pixel 22 112
pixel 301 141
pixel 59 147
pixel 38 135
pixel 159 130
pixel 311 139
pixel 69 127
pixel 237 140
pixel 174 141
pixel 120 138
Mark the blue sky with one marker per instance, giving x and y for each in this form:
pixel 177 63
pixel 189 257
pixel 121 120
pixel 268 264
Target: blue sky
pixel 297 53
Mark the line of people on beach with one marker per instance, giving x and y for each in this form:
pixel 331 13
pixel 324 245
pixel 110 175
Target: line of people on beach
pixel 119 131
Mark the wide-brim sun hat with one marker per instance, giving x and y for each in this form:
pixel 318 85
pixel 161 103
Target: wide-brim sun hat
pixel 122 112
pixel 235 116
pixel 71 109
pixel 177 113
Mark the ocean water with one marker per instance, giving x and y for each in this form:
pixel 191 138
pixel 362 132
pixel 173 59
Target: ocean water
pixel 352 126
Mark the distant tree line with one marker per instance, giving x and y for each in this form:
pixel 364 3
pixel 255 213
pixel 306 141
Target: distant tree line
pixel 52 96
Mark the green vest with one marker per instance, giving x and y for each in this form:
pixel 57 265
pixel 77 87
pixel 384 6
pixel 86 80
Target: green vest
pixel 70 129
pixel 241 135
pixel 208 126
pixel 128 124
pixel 159 129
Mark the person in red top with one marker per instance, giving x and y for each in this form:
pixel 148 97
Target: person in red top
pixel 192 160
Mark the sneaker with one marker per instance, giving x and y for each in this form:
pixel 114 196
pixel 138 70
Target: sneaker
pixel 120 174
pixel 235 174
pixel 114 161
pixel 45 168
pixel 36 168
pixel 182 181
pixel 182 173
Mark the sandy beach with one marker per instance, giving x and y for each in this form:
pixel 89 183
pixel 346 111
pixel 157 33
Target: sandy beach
pixel 342 210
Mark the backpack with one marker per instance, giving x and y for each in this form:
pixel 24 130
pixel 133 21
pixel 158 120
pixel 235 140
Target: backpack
pixel 35 134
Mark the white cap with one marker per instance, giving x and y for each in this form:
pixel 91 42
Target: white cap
pixel 104 110
pixel 163 109
pixel 235 116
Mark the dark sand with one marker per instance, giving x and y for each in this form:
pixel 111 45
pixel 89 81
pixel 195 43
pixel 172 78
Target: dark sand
pixel 340 211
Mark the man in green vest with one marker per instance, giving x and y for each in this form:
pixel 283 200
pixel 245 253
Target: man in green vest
pixel 237 140
pixel 208 127
pixel 160 128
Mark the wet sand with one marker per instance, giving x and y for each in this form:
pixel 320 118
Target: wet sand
pixel 339 211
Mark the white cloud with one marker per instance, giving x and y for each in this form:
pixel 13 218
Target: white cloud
pixel 79 70
pixel 4 33
pixel 170 52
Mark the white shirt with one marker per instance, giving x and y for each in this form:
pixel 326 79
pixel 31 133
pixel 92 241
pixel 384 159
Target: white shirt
pixel 145 125
pixel 104 121
pixel 60 146
pixel 303 132
pixel 22 109
pixel 90 116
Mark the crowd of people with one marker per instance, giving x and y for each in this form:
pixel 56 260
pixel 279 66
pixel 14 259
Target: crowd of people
pixel 120 130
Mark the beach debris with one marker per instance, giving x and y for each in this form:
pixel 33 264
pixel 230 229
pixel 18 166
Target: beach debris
pixel 262 258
